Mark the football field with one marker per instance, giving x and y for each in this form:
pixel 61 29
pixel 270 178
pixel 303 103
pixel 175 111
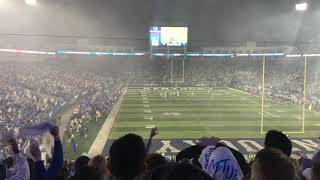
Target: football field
pixel 181 113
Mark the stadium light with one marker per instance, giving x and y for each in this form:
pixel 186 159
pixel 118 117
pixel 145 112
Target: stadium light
pixel 302 6
pixel 31 2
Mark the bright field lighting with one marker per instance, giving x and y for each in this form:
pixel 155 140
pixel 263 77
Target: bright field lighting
pixel 302 6
pixel 31 2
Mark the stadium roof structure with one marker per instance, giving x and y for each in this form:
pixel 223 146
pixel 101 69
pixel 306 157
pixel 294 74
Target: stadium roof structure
pixel 125 23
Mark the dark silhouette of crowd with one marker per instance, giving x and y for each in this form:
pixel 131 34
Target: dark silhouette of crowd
pixel 129 159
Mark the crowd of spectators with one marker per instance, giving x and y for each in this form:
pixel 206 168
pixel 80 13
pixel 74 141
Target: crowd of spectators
pixel 96 104
pixel 36 92
pixel 129 159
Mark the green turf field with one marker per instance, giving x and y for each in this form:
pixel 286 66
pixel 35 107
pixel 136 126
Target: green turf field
pixel 197 112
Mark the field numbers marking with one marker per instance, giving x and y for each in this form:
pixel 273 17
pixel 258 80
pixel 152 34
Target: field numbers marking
pixel 148 118
pixel 150 126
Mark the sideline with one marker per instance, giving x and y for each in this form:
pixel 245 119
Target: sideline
pixel 242 91
pixel 102 137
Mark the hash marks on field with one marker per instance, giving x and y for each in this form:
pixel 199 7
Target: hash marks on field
pixel 147 111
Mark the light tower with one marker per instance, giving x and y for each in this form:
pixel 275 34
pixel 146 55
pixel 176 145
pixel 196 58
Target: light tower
pixel 31 2
pixel 302 6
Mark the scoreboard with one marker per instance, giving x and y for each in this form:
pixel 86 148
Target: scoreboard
pixel 168 36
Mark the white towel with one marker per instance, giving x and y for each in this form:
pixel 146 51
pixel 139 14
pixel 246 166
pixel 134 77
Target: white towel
pixel 220 163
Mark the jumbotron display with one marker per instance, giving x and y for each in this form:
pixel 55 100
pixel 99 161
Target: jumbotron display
pixel 168 36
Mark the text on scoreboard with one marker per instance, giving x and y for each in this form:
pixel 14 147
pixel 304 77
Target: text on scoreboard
pixel 168 36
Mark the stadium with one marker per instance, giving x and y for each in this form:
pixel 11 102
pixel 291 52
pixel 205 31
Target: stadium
pixel 157 80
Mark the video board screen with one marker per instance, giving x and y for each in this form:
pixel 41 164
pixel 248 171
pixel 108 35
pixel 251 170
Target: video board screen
pixel 168 36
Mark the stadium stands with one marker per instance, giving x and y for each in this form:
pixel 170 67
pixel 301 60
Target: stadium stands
pixel 32 93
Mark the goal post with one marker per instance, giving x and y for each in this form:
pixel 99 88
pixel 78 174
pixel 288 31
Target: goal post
pixel 290 120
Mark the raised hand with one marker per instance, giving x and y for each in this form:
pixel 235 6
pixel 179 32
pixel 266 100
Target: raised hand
pixel 55 131
pixel 154 132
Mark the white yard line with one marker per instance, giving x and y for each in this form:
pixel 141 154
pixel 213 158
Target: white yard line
pixel 102 137
pixel 270 114
pixel 240 91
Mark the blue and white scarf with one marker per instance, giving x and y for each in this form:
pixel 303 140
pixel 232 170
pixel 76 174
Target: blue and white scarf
pixel 36 130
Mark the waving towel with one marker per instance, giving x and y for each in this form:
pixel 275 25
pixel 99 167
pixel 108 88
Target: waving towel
pixel 220 163
pixel 36 130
